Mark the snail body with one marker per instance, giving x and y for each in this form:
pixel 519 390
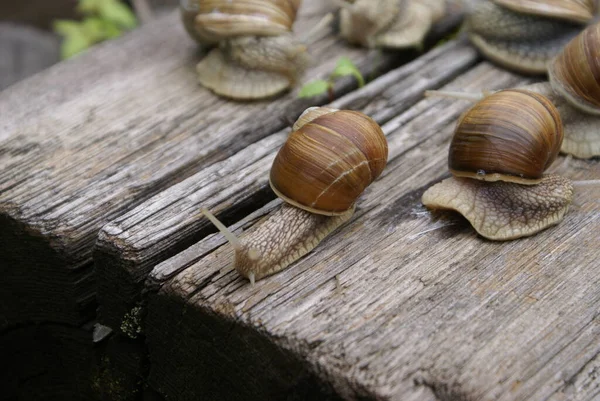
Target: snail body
pixel 326 163
pixel 255 54
pixel 509 138
pixel 524 35
pixel 388 23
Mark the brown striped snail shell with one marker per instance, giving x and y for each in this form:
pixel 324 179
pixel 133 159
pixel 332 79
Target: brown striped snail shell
pixel 257 56
pixel 210 21
pixel 512 135
pixel 329 160
pixel 500 149
pixel 321 170
pixel 575 73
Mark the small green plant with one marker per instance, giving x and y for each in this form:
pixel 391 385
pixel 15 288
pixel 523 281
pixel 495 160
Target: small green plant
pixel 344 67
pixel 103 19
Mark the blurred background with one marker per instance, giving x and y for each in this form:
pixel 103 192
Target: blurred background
pixel 35 34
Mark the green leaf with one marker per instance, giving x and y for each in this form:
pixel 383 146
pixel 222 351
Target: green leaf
pixel 111 30
pixel 314 88
pixel 118 13
pixel 346 67
pixel 93 28
pixel 90 7
pixel 66 27
pixel 74 44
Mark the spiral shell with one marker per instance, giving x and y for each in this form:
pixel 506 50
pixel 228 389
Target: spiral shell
pixel 210 21
pixel 329 161
pixel 511 135
pixel 575 73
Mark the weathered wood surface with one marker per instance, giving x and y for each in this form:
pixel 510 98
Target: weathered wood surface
pixel 387 308
pixel 132 244
pixel 93 137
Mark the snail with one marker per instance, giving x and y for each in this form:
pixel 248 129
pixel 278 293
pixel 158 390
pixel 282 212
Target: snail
pixel 388 23
pixel 326 163
pixel 256 55
pixel 524 35
pixel 574 88
pixel 498 155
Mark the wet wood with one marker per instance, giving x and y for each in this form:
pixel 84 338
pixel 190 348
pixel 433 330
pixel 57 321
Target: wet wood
pixel 399 304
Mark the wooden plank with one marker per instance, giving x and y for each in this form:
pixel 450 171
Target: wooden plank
pixel 93 137
pixel 132 244
pixel 386 308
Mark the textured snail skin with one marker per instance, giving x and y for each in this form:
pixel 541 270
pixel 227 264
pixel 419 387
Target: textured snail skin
pixel 529 34
pixel 503 210
pixel 285 237
pixel 511 135
pixel 253 67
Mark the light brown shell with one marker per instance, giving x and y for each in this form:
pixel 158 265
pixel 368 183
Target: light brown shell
pixel 580 11
pixel 575 73
pixel 210 21
pixel 512 135
pixel 329 161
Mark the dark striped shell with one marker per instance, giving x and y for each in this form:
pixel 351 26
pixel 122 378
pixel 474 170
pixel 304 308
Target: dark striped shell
pixel 329 160
pixel 575 73
pixel 512 135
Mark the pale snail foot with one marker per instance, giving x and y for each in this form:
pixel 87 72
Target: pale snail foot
pixel 524 57
pixel 286 236
pixel 503 210
pixel 235 82
pixel 520 42
pixel 249 68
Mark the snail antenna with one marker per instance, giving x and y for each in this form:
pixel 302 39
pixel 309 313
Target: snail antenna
pixel 233 240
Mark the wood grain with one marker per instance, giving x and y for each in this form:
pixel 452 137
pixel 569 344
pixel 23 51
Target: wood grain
pixel 132 244
pixel 430 311
pixel 93 137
